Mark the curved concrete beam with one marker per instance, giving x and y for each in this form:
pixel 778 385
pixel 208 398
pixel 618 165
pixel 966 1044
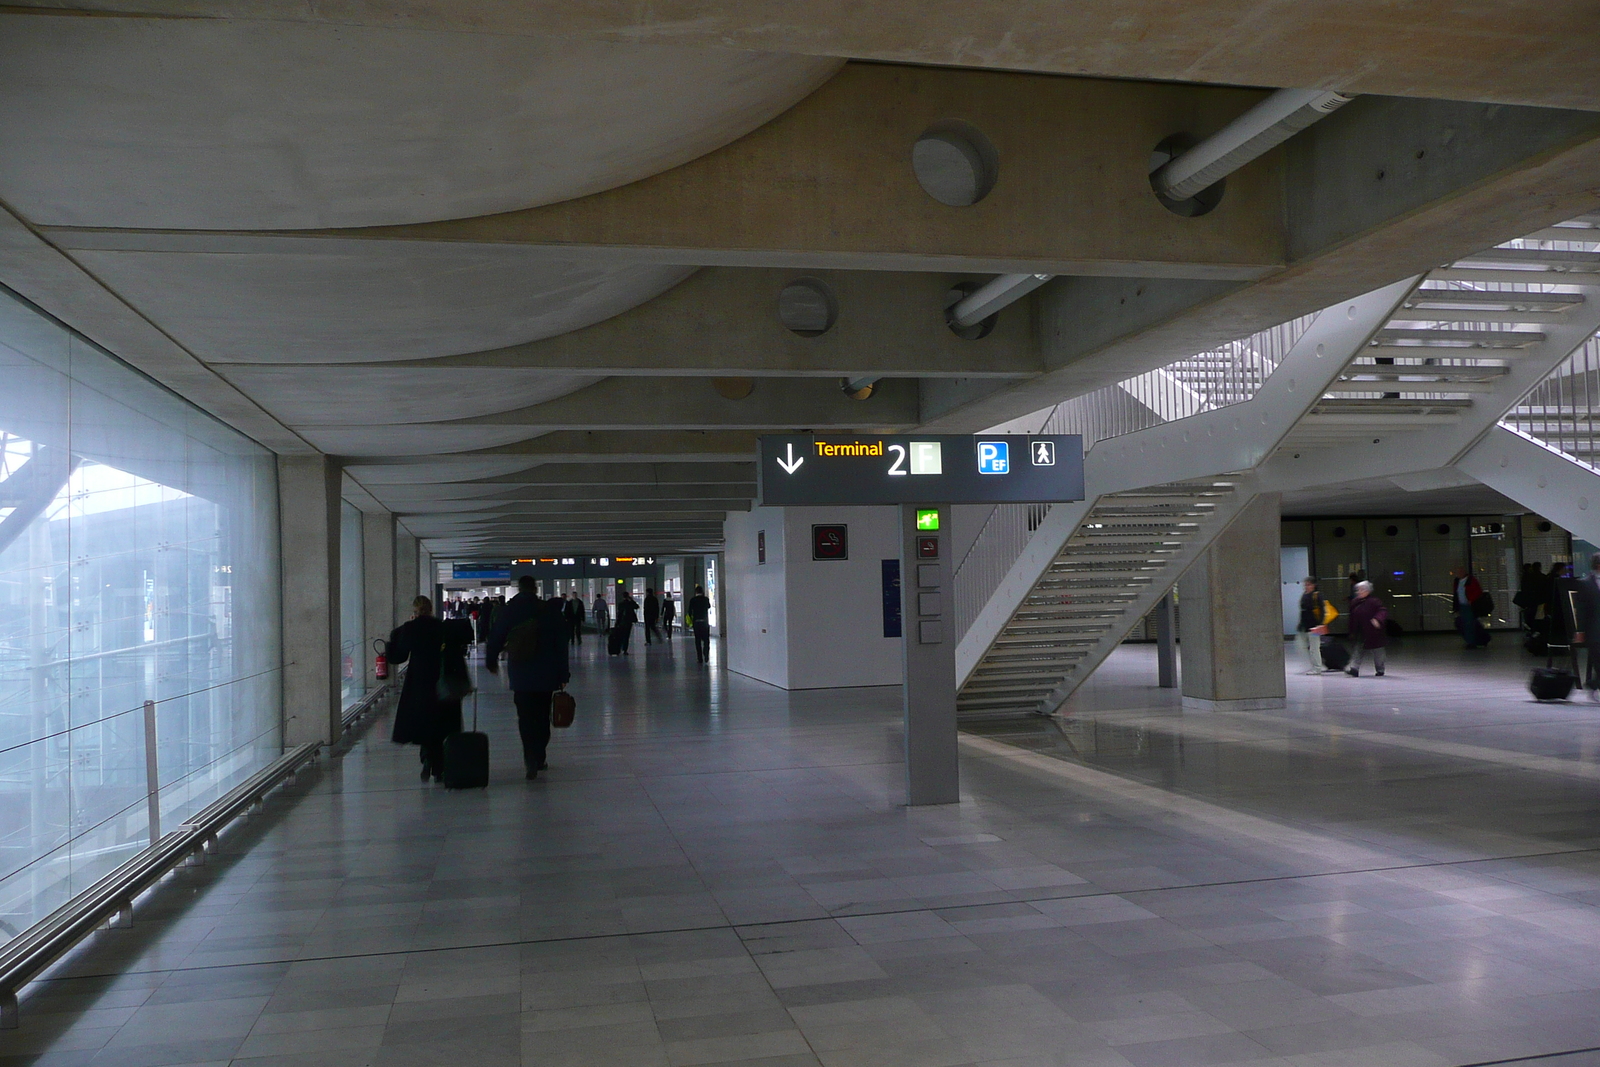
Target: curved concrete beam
pixel 217 124
pixel 1513 51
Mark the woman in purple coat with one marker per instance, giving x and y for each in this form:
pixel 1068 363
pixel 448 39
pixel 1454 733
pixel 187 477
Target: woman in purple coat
pixel 1369 630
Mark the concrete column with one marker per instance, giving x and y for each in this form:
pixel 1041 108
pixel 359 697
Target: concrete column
pixel 1231 622
pixel 933 773
pixel 1166 646
pixel 407 565
pixel 308 509
pixel 377 556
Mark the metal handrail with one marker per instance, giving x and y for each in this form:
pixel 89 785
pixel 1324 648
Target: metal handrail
pixel 366 704
pixel 1563 411
pixel 26 956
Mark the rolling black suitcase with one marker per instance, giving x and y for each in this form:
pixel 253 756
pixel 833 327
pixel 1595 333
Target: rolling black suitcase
pixel 1335 657
pixel 466 756
pixel 1551 683
pixel 614 641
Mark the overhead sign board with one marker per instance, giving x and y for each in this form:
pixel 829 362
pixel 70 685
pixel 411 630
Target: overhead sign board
pixel 583 566
pixel 481 571
pixel 800 469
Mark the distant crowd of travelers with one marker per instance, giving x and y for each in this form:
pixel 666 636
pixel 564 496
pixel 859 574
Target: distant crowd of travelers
pixel 1557 612
pixel 534 635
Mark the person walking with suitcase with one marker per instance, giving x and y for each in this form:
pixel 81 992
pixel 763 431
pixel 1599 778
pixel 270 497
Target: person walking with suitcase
pixel 425 715
pixel 622 631
pixel 1311 613
pixel 1588 626
pixel 533 635
pixel 1469 602
pixel 1369 630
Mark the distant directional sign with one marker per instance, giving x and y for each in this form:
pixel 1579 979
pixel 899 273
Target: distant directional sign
pixel 798 469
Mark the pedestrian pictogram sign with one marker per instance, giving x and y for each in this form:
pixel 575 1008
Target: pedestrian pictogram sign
pixel 1044 453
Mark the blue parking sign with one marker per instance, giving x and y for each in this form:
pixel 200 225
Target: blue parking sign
pixel 994 457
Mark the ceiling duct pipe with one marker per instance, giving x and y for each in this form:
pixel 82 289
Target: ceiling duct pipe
pixel 996 294
pixel 1250 136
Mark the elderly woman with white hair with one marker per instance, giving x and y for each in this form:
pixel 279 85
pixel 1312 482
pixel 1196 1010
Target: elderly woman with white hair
pixel 1369 630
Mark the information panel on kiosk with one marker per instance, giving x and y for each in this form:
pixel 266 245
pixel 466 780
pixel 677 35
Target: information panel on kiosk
pixel 799 469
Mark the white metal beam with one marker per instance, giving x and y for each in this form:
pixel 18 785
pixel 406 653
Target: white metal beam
pixel 1539 478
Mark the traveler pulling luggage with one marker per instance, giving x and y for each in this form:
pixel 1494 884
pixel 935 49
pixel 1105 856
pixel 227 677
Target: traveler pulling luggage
pixel 466 756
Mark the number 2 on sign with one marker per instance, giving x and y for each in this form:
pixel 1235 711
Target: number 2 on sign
pixel 898 467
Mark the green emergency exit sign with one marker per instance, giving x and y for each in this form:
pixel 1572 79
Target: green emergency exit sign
pixel 928 519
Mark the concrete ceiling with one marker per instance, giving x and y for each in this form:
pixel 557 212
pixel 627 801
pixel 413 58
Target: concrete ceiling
pixel 1509 51
pixel 494 256
pixel 220 124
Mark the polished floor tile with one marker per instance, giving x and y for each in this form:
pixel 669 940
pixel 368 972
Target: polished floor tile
pixel 1401 872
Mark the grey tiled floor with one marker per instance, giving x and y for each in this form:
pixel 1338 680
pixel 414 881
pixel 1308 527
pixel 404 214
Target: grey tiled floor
pixel 1400 872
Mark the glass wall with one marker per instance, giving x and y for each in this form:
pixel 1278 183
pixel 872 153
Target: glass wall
pixel 352 606
pixel 138 562
pixel 1409 560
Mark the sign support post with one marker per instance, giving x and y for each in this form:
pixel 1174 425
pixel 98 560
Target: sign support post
pixel 928 653
pixel 898 470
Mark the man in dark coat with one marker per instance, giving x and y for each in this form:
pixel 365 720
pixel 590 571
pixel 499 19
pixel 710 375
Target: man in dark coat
pixel 421 718
pixel 1588 625
pixel 533 635
pixel 627 615
pixel 652 615
pixel 1369 630
pixel 697 613
pixel 669 611
pixel 1464 601
pixel 574 612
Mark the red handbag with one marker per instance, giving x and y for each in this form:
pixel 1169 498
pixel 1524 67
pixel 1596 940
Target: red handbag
pixel 562 709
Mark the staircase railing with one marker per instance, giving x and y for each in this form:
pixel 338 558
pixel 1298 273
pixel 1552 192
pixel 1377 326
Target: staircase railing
pixel 1217 378
pixel 1001 540
pixel 1229 374
pixel 1563 411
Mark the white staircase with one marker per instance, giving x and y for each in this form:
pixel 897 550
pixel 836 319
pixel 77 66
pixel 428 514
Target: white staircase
pixel 1459 338
pixel 1409 378
pixel 1121 558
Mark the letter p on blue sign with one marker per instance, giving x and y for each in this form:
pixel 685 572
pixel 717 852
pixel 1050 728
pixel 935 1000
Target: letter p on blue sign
pixel 994 457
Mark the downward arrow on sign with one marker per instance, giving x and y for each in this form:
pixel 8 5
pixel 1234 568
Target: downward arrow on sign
pixel 793 462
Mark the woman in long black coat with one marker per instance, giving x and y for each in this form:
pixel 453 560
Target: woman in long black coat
pixel 431 647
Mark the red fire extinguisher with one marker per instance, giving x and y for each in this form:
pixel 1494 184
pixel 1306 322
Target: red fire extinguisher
pixel 380 665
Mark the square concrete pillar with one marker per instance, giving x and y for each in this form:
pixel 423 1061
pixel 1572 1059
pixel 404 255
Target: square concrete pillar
pixel 1231 617
pixel 377 556
pixel 928 656
pixel 407 565
pixel 308 510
